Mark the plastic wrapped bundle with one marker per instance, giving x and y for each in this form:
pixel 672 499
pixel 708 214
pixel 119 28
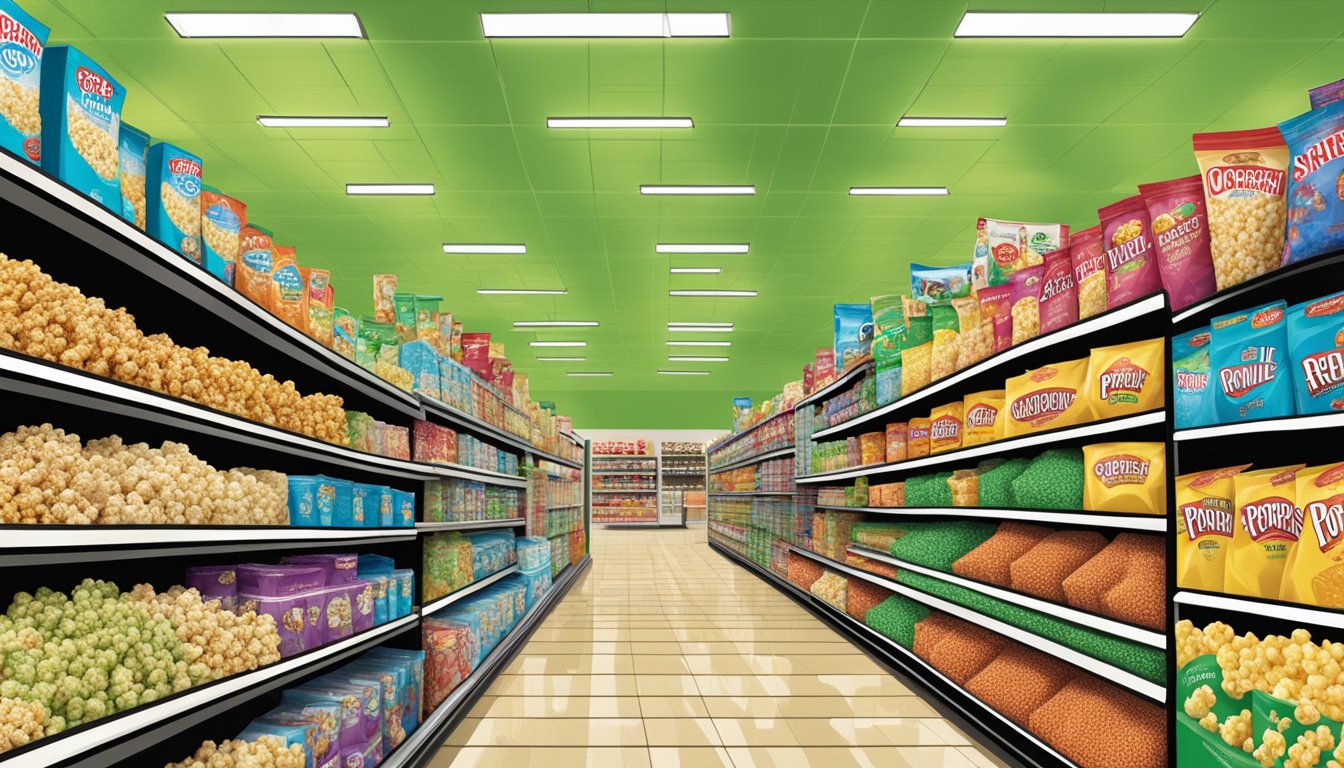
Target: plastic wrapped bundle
pixel 1019 680
pixel 996 485
pixel 938 545
pixel 537 583
pixel 896 618
pixel 1053 481
pixel 879 536
pixel 534 552
pixel 837 527
pixel 447 564
pixel 965 651
pixel 1098 725
pixel 452 650
pixel 990 562
pixel 1041 571
pixel 830 589
pixel 491 552
pixel 1124 581
pixel 862 595
pixel 931 631
pixel 803 570
pixel 928 491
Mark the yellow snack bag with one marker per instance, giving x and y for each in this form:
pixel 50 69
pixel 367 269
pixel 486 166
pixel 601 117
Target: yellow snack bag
pixel 1125 477
pixel 1047 398
pixel 1314 573
pixel 917 438
pixel 983 412
pixel 1127 379
pixel 946 341
pixel 945 428
pixel 977 332
pixel 1265 530
pixel 917 346
pixel 1204 515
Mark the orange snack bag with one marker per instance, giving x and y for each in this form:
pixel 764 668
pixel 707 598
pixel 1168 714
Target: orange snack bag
pixel 384 298
pixel 917 438
pixel 1314 573
pixel 984 417
pixel 289 300
pixel 897 449
pixel 1267 525
pixel 945 427
pixel 252 275
pixel 321 298
pixel 1047 398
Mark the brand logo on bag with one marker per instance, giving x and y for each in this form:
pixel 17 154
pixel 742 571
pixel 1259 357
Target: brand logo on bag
pixel 1042 406
pixel 1058 285
pixel 1272 518
pixel 1004 253
pixel 1127 251
pixel 1237 380
pixel 1331 306
pixel 1122 382
pixel 1203 520
pixel 1312 158
pixel 944 428
pixel 1323 371
pixel 93 83
pixel 19 48
pixel 982 415
pixel 184 166
pixel 1188 381
pixel 1266 317
pixel 1224 178
pixel 1179 232
pixel 1327 519
pixel 1121 469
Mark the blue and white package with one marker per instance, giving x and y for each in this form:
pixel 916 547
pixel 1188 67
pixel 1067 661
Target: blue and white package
pixel 22 40
pixel 1315 182
pixel 1316 344
pixel 853 333
pixel 173 199
pixel 133 150
pixel 81 122
pixel 1193 400
pixel 1248 357
pixel 312 500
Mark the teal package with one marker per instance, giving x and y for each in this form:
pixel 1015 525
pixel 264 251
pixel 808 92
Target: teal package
pixel 22 40
pixel 81 121
pixel 1192 399
pixel 173 199
pixel 133 153
pixel 1316 344
pixel 1248 358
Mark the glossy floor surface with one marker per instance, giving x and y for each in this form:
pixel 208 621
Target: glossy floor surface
pixel 665 653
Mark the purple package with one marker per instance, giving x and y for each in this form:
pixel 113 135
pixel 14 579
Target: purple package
pixel 361 601
pixel 357 740
pixel 1326 94
pixel 215 582
pixel 278 580
pixel 338 569
pixel 336 620
pixel 292 619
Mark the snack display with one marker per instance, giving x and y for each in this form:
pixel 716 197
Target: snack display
pixel 1127 242
pixel 1245 180
pixel 80 120
pixel 20 82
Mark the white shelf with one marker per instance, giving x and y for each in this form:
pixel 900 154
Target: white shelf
pixel 471 525
pixel 93 739
pixel 1285 424
pixel 476 586
pixel 768 455
pixel 1120 629
pixel 1299 614
pixel 1093 429
pixel 1104 670
pixel 830 389
pixel 1154 523
pixel 1079 330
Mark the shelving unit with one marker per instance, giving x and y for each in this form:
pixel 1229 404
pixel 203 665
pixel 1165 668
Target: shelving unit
pixel 645 468
pixel 682 476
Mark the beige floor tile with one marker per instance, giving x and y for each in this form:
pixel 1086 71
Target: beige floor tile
pixel 551 757
pixel 531 732
pixel 739 731
pixel 982 758
pixel 571 664
pixel 660 665
pixel 672 706
pixel 681 732
pixel 839 664
pixel 564 685
pixel 818 706
pixel 949 733
pixel 689 757
pixel 847 757
pixel 557 706
pixel 667 685
pixel 663 648
pixel 838 732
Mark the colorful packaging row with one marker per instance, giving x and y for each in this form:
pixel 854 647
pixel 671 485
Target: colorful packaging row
pixel 453 560
pixel 328 502
pixel 455 500
pixel 772 434
pixel 442 445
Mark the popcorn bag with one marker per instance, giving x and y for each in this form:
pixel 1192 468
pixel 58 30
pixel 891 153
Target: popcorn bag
pixel 256 260
pixel 1245 175
pixel 1247 356
pixel 1204 523
pixel 1059 296
pixel 22 40
pixel 1047 398
pixel 1180 226
pixel 1129 257
pixel 1316 347
pixel 1127 378
pixel 1314 573
pixel 1192 398
pixel 173 187
pixel 1265 531
pixel 81 118
pixel 1089 271
pixel 133 151
pixel 1125 477
pixel 222 220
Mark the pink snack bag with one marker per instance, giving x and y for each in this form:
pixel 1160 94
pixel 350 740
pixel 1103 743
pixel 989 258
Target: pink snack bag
pixel 1059 297
pixel 1131 262
pixel 1180 226
pixel 996 305
pixel 1089 271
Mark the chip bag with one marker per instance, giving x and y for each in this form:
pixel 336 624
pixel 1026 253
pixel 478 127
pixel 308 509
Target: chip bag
pixel 345 329
pixel 996 306
pixel 1192 399
pixel 1125 477
pixel 888 335
pixel 936 285
pixel 1180 227
pixel 897 442
pixel 1246 355
pixel 256 259
pixel 1014 245
pixel 1326 94
pixel 946 341
pixel 977 333
pixel 1314 573
pixel 1266 528
pixel 1026 299
pixel 1046 398
pixel 133 151
pixel 1204 522
pixel 945 427
pixel 853 333
pixel 984 422
pixel 1245 175
pixel 1316 347
pixel 321 298
pixel 222 220
pixel 917 349
pixel 1127 378
pixel 917 438
pixel 1131 262
pixel 1315 202
pixel 1089 271
pixel 1059 296
pixel 289 301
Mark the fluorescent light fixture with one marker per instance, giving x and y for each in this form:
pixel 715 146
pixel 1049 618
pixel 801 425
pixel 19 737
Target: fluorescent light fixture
pixel 619 122
pixel 952 122
pixel 711 293
pixel 697 359
pixel 545 359
pixel 898 191
pixel 683 373
pixel 282 121
pixel 701 248
pixel 557 343
pixel 522 291
pixel 699 343
pixel 555 324
pixel 697 189
pixel 700 325
pixel 694 329
pixel 389 189
pixel 483 248
pixel 588 373
pixel 605 24
pixel 695 270
pixel 265 24
pixel 1075 24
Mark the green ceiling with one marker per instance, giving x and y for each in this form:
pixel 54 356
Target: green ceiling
pixel 801 101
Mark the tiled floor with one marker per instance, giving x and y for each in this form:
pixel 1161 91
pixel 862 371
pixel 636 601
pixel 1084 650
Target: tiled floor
pixel 667 654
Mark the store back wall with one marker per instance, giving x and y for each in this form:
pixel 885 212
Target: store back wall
pixel 596 409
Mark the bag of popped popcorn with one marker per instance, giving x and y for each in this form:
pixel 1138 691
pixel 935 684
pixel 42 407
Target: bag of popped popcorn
pixel 946 341
pixel 1127 378
pixel 917 348
pixel 1209 718
pixel 222 220
pixel 1204 507
pixel 1026 302
pixel 133 154
pixel 321 303
pixel 1265 530
pixel 1181 238
pixel 1315 202
pixel 1049 397
pixel 1316 346
pixel 1089 271
pixel 1131 264
pixel 252 273
pixel 1015 244
pixel 173 199
pixel 22 39
pixel 853 333
pixel 1245 175
pixel 1314 573
pixel 81 118
pixel 977 333
pixel 980 257
pixel 1249 359
pixel 996 306
pixel 288 299
pixel 1193 399
pixel 1059 297
pixel 888 335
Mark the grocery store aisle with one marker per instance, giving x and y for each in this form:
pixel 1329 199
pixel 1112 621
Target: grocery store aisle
pixel 666 654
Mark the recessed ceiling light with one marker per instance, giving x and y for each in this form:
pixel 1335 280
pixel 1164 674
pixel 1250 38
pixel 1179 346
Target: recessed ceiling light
pixel 699 343
pixel 555 324
pixel 619 122
pixel 557 343
pixel 605 24
pixel 700 325
pixel 697 359
pixel 695 270
pixel 295 121
pixel 522 291
pixel 695 329
pixel 1075 24
pixel 389 189
pixel 588 373
pixel 545 359
pixel 683 373
pixel 898 191
pixel 952 122
pixel 483 248
pixel 265 24
pixel 697 189
pixel 711 293
pixel 701 248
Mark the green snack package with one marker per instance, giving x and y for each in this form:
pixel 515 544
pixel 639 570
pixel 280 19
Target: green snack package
pixel 345 330
pixel 404 304
pixel 1198 683
pixel 426 317
pixel 372 335
pixel 916 347
pixel 896 618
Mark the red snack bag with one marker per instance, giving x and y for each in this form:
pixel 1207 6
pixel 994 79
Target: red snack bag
pixel 1180 226
pixel 476 353
pixel 996 304
pixel 1131 262
pixel 1059 296
pixel 1089 271
pixel 1026 298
